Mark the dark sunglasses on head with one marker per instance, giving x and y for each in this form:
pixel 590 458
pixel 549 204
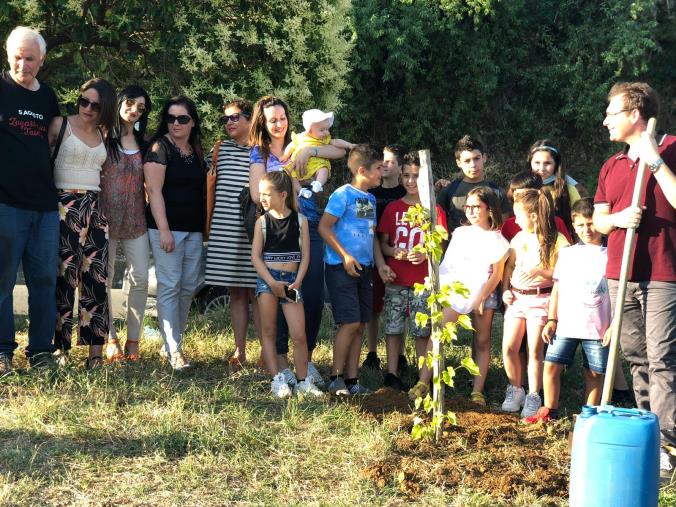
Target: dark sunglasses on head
pixel 85 103
pixel 141 108
pixel 183 119
pixel 234 118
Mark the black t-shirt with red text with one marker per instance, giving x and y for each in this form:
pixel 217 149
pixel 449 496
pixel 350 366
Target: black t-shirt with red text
pixel 26 176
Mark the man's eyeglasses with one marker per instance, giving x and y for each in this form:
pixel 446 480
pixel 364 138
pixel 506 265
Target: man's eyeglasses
pixel 84 103
pixel 234 118
pixel 141 108
pixel 182 119
pixel 606 113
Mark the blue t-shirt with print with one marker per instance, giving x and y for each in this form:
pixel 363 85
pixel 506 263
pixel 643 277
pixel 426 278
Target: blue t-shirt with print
pixel 355 227
pixel 255 157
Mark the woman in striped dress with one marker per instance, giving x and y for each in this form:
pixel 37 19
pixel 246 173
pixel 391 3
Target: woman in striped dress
pixel 229 250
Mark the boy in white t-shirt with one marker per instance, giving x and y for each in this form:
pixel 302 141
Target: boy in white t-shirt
pixel 579 314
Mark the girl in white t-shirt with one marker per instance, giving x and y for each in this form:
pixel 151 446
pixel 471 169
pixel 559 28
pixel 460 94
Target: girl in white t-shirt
pixel 475 257
pixel 527 284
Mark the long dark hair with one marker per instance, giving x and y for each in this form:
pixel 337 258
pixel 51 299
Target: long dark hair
pixel 282 183
pixel 540 202
pixel 106 93
pixel 258 134
pixel 489 197
pixel 139 130
pixel 560 188
pixel 195 134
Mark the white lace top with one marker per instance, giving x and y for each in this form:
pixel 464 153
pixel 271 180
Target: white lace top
pixel 78 165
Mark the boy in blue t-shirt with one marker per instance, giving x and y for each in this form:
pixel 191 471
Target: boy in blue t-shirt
pixel 348 228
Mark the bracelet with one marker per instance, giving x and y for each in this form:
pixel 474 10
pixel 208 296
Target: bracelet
pixel 316 151
pixel 555 321
pixel 654 167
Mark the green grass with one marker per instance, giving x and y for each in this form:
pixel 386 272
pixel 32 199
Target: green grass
pixel 140 435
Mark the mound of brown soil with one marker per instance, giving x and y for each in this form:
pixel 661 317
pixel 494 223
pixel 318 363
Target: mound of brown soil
pixel 487 451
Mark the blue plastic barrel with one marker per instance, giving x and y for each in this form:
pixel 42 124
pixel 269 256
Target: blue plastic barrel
pixel 616 456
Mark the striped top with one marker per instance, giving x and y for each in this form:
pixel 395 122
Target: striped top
pixel 229 251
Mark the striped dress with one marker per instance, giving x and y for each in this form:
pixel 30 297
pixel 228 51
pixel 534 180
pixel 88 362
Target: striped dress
pixel 229 251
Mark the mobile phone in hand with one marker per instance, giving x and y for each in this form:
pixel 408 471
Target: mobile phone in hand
pixel 292 294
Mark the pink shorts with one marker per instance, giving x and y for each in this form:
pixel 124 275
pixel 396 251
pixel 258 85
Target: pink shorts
pixel 533 308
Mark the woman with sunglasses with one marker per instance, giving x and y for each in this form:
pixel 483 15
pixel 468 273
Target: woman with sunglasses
pixel 83 245
pixel 229 250
pixel 268 138
pixel 175 181
pixel 123 202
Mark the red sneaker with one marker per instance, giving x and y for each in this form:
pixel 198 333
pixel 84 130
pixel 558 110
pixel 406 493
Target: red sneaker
pixel 542 415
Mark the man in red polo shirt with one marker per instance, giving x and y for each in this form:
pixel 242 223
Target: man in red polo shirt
pixel 648 337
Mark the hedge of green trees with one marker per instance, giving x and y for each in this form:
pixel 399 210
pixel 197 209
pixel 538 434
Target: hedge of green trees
pixel 417 73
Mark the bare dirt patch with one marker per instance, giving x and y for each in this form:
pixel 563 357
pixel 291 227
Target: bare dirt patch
pixel 487 451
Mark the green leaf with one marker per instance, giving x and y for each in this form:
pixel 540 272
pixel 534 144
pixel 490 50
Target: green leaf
pixel 465 322
pixel 469 364
pixel 451 418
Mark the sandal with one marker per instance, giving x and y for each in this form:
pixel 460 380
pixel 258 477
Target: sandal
pixel 478 397
pixel 114 353
pixel 131 356
pixel 235 364
pixel 94 362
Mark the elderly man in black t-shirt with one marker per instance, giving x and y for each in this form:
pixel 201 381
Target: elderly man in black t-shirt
pixel 29 220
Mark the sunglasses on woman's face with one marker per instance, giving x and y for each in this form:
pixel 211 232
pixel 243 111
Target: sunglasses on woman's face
pixel 84 103
pixel 182 119
pixel 234 118
pixel 140 107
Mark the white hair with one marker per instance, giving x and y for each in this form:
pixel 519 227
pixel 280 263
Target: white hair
pixel 22 33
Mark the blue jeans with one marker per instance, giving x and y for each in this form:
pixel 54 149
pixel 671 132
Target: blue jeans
pixel 177 276
pixel 313 297
pixel 30 237
pixel 308 207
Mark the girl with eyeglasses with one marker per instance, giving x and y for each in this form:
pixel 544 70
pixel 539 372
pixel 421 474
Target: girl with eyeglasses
pixel 123 202
pixel 476 257
pixel 544 159
pixel 83 246
pixel 229 251
pixel 174 173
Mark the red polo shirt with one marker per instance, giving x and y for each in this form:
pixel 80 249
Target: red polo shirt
pixel 654 255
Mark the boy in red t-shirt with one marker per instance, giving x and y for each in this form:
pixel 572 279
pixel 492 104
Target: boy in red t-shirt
pixel 397 239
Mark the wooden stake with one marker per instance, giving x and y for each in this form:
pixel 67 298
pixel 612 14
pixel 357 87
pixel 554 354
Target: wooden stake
pixel 428 201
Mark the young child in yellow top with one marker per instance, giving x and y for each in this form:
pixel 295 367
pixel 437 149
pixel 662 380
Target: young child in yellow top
pixel 317 125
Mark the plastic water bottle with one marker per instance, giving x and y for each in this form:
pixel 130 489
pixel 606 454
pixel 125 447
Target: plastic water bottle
pixel 615 460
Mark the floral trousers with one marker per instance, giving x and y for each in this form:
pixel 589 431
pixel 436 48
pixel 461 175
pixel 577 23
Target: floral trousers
pixel 83 264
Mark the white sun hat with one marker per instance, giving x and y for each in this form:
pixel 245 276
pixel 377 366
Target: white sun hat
pixel 315 116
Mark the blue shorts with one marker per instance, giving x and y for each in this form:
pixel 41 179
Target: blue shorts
pixel 351 297
pixel 594 354
pixel 289 277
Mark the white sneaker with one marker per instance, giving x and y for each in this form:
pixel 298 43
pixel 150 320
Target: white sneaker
pixel 514 399
pixel 305 193
pixel 289 377
pixel 665 461
pixel 359 390
pixel 338 387
pixel 531 405
pixel 307 387
pixel 279 388
pixel 314 374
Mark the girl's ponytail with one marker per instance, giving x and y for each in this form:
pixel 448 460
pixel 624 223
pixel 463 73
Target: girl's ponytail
pixel 282 183
pixel 545 227
pixel 541 204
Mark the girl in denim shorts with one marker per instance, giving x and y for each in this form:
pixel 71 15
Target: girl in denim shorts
pixel 280 252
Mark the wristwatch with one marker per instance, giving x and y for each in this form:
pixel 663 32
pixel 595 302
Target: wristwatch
pixel 655 165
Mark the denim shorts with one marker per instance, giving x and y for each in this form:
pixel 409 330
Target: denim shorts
pixel 594 354
pixel 281 276
pixel 401 302
pixel 351 297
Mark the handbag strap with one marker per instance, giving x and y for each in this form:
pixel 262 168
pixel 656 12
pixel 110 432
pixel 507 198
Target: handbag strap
pixel 214 157
pixel 62 130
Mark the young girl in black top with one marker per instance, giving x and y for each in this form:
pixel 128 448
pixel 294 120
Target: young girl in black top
pixel 280 252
